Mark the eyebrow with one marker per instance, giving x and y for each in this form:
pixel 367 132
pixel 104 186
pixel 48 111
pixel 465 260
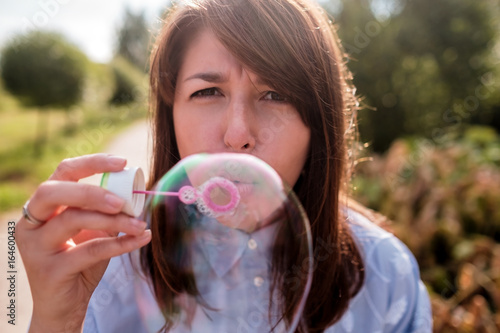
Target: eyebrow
pixel 213 77
pixel 217 77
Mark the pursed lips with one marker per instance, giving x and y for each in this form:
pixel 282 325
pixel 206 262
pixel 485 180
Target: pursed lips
pixel 244 188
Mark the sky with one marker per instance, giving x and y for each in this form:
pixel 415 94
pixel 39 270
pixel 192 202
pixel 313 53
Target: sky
pixel 92 25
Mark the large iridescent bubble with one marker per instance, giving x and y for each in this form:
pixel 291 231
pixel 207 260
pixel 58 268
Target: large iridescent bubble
pixel 240 240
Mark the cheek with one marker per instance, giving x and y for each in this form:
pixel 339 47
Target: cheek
pixel 293 152
pixel 183 137
pixel 299 154
pixel 193 132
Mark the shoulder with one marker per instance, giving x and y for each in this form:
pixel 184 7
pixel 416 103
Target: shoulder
pixel 384 253
pixel 393 296
pixel 386 258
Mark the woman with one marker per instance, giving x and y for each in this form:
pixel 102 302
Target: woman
pixel 263 77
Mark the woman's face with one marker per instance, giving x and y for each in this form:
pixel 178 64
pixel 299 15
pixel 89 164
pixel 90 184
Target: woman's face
pixel 219 106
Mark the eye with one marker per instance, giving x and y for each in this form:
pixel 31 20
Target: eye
pixel 208 92
pixel 274 96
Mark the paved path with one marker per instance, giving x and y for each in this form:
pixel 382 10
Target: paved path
pixel 133 144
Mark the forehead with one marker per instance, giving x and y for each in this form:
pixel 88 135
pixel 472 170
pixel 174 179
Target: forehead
pixel 206 53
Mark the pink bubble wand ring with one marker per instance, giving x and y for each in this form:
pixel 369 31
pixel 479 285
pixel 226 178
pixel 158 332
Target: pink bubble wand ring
pixel 202 196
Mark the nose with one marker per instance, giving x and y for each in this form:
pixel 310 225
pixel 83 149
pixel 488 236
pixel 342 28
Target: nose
pixel 239 132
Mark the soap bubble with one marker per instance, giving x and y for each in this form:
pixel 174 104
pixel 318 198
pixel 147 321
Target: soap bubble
pixel 236 243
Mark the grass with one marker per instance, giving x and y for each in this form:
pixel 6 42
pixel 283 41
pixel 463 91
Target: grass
pixel 85 129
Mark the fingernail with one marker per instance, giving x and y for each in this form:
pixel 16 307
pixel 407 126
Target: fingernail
pixel 146 234
pixel 117 160
pixel 138 223
pixel 113 201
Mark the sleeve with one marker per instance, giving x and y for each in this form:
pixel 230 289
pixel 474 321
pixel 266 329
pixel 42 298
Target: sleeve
pixel 113 306
pixel 408 307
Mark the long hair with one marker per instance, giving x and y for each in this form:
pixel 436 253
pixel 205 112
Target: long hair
pixel 292 46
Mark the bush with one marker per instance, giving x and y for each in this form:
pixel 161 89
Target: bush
pixel 43 70
pixel 444 204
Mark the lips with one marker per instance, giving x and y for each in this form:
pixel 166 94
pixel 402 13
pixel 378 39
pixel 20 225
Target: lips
pixel 244 188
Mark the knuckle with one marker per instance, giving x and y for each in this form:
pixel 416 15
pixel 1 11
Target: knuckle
pixel 96 248
pixel 89 191
pixel 99 156
pixel 66 162
pixel 64 167
pixel 123 220
pixel 20 236
pixel 18 231
pixel 124 243
pixel 45 190
pixel 71 216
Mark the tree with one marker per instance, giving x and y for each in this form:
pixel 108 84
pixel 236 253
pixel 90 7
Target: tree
pixel 133 39
pixel 128 81
pixel 373 57
pixel 457 38
pixel 43 70
pixel 421 67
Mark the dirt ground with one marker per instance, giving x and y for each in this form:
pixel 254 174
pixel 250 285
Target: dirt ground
pixel 133 144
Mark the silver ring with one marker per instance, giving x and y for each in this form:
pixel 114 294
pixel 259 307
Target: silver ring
pixel 27 215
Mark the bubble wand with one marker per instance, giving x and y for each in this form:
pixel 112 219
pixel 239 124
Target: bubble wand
pixel 129 185
pixel 202 196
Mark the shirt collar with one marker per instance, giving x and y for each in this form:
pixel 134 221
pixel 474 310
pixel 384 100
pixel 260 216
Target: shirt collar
pixel 223 246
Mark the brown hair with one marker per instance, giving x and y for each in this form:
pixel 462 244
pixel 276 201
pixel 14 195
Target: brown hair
pixel 292 46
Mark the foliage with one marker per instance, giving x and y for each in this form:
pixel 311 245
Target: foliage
pixel 423 65
pixel 43 69
pixel 128 82
pixel 443 200
pixel 133 39
pixel 20 172
pixel 99 84
pixel 94 123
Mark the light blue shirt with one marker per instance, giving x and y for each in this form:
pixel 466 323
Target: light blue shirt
pixel 392 299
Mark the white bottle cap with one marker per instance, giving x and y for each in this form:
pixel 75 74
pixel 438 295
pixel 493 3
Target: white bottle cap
pixel 123 184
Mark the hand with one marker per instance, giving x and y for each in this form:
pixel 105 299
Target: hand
pixel 66 256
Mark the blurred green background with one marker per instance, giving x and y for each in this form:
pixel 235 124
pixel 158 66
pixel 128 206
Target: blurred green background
pixel 427 73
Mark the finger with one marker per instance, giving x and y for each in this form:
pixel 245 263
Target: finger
pixel 51 195
pixel 23 224
pixel 71 222
pixel 74 169
pixel 90 253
